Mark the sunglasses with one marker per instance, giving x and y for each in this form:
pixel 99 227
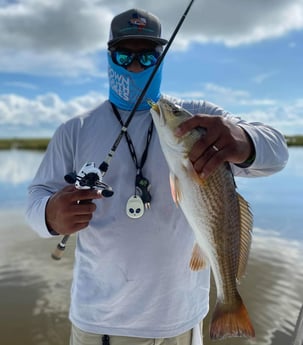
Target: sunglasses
pixel 125 58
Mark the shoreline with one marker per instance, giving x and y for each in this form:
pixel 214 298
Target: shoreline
pixel 40 144
pixel 37 144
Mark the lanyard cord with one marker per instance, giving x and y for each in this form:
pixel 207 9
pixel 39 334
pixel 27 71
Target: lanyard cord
pixel 130 142
pixel 105 164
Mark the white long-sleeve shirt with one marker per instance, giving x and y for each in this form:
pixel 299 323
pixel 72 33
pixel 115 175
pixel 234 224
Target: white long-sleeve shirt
pixel 131 277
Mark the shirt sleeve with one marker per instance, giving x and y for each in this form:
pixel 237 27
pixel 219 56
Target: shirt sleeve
pixel 270 145
pixel 49 179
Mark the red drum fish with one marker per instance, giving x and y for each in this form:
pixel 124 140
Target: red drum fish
pixel 219 217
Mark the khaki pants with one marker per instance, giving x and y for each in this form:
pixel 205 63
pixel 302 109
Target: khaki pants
pixel 78 337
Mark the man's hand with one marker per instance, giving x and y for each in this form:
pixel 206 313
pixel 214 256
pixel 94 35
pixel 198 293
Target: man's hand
pixel 224 141
pixel 70 209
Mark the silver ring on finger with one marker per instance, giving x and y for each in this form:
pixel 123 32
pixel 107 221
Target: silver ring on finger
pixel 215 148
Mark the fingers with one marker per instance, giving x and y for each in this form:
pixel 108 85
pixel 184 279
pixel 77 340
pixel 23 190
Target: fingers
pixel 208 161
pixel 221 141
pixel 70 210
pixel 84 208
pixel 202 121
pixel 206 154
pixel 81 194
pixel 78 222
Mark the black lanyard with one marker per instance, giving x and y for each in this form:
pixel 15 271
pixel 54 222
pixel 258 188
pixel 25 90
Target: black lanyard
pixel 130 144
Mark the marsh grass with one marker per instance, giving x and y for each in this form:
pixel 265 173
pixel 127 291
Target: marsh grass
pixel 40 144
pixel 296 140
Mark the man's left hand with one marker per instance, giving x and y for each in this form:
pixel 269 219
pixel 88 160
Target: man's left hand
pixel 223 141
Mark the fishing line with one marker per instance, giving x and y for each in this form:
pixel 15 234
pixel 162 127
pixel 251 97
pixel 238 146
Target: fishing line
pixel 57 254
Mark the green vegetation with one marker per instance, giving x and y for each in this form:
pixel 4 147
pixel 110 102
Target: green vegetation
pixel 41 143
pixel 296 140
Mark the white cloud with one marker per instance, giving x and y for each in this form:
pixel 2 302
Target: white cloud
pixel 231 97
pixel 46 36
pixel 286 117
pixel 65 26
pixel 20 116
pixel 67 38
pixel 53 64
pixel 259 79
pixel 236 22
pixel 53 37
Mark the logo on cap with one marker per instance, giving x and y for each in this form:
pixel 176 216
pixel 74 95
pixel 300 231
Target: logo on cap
pixel 139 22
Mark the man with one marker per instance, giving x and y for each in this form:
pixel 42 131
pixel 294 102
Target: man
pixel 132 283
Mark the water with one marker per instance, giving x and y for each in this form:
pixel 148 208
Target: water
pixel 34 289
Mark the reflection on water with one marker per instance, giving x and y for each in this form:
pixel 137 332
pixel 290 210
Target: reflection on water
pixel 272 290
pixel 277 200
pixel 18 167
pixel 34 289
pixel 23 309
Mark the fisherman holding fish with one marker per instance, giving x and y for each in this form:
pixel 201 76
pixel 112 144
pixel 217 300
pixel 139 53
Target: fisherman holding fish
pixel 142 265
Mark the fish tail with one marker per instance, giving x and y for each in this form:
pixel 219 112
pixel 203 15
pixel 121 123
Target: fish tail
pixel 231 320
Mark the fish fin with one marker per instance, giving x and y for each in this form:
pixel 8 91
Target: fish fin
pixel 246 225
pixel 197 261
pixel 231 320
pixel 188 166
pixel 175 188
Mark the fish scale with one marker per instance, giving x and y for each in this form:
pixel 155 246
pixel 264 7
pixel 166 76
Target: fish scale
pixel 229 264
pixel 219 217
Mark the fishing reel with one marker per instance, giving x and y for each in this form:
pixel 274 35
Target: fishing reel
pixel 89 177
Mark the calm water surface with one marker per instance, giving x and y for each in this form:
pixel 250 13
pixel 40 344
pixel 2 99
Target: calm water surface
pixel 34 290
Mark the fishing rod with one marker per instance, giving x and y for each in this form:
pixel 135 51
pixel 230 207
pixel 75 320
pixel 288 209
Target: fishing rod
pixel 58 252
pixel 106 190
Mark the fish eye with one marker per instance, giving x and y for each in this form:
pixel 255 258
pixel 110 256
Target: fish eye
pixel 175 112
pixel 176 109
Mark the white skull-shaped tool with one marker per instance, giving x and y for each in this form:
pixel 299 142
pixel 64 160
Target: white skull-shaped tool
pixel 135 207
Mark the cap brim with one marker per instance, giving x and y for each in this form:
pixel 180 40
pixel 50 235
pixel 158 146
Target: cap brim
pixel 160 41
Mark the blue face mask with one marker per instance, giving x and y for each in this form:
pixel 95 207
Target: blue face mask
pixel 125 87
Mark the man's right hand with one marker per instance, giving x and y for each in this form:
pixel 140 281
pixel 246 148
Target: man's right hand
pixel 70 209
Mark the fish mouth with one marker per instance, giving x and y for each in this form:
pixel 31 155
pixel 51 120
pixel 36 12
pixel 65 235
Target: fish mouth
pixel 158 110
pixel 154 106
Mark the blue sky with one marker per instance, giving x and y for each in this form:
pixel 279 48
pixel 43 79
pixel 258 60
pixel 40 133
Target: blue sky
pixel 243 55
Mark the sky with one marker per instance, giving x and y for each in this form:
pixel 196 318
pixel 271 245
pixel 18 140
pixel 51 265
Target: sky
pixel 245 56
